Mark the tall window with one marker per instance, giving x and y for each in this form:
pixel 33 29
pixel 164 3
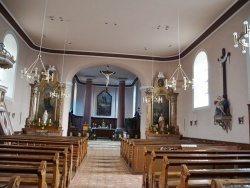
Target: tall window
pixel 201 80
pixel 7 76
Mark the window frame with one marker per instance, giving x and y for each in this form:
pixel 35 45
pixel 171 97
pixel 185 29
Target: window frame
pixel 194 61
pixel 11 98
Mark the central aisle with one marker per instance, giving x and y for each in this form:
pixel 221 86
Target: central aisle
pixel 103 167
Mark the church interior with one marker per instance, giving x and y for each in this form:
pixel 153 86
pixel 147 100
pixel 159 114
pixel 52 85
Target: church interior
pixel 137 94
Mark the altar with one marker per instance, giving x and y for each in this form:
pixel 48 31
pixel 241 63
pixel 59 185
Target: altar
pixel 103 132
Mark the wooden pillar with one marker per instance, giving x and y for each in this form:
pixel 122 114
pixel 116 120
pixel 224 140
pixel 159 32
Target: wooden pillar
pixel 121 105
pixel 88 99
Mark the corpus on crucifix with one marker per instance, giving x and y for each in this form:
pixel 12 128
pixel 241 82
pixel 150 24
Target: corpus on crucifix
pixel 107 73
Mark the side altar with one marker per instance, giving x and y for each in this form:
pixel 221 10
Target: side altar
pixel 46 104
pixel 161 110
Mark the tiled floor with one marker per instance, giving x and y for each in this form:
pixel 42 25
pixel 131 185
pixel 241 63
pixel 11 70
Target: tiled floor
pixel 103 168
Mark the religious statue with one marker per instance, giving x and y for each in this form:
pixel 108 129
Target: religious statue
pixel 45 117
pixel 107 73
pixel 222 106
pixel 161 122
pixel 103 123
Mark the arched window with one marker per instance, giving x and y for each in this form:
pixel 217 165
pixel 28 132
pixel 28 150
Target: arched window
pixel 7 76
pixel 201 94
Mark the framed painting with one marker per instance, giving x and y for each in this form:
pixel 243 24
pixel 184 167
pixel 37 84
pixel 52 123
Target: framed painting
pixel 161 112
pixel 46 102
pixel 104 103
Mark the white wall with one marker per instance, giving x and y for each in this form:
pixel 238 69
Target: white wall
pixel 222 38
pixel 237 86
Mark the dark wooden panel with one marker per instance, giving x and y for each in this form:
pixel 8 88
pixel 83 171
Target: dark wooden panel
pixel 97 121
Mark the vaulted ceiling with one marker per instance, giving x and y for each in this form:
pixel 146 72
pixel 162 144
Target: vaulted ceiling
pixel 137 29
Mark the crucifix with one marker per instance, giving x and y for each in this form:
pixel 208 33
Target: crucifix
pixel 222 112
pixel 223 61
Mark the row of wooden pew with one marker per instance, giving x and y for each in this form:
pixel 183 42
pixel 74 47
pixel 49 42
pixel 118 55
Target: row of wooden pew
pixel 187 164
pixel 132 150
pixel 40 161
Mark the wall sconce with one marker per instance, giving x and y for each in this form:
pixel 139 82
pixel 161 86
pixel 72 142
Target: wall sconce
pixel 191 123
pixel 241 120
pixel 196 122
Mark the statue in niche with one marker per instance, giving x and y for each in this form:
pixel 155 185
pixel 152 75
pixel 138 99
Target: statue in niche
pixel 222 106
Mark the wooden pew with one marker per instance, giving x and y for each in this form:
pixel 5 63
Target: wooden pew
pixel 205 176
pixel 159 156
pixel 28 174
pixel 74 156
pixel 78 153
pixel 65 163
pixel 218 167
pixel 29 153
pixel 14 182
pixel 52 165
pixel 132 150
pixel 220 183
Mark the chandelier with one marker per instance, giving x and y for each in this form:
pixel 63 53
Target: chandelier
pixel 172 82
pixel 32 71
pixel 151 96
pixel 6 59
pixel 59 91
pixel 243 38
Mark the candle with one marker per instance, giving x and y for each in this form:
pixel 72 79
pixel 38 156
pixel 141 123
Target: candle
pixel 39 120
pixel 49 120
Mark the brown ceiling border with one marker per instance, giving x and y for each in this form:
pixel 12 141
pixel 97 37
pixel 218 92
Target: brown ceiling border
pixel 213 27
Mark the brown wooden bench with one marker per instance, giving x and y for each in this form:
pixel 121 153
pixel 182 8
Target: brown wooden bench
pixel 202 177
pixel 13 183
pixel 133 151
pixel 35 174
pixel 64 151
pixel 43 154
pixel 52 170
pixel 204 155
pixel 78 153
pixel 226 168
pixel 43 144
pixel 221 183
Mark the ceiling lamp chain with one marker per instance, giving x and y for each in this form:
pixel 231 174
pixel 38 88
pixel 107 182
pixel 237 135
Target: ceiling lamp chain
pixel 243 38
pixel 172 82
pixel 32 71
pixel 59 91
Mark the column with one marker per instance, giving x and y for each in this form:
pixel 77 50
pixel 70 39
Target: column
pixel 88 100
pixel 121 105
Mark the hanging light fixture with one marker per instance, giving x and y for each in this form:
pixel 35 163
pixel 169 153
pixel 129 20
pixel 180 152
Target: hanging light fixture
pixel 32 71
pixel 243 38
pixel 172 82
pixel 151 96
pixel 59 92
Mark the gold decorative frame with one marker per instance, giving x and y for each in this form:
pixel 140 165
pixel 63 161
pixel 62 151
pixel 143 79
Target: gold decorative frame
pixel 40 93
pixel 166 94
